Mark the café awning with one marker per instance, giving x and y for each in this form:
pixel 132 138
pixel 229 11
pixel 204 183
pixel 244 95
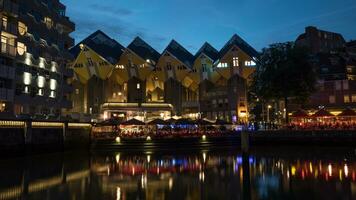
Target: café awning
pixel 300 114
pixel 133 122
pixel 158 122
pixel 323 113
pixel 347 113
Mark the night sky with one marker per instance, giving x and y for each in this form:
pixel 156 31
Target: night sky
pixel 192 22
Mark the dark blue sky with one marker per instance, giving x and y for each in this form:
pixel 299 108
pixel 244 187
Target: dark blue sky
pixel 192 22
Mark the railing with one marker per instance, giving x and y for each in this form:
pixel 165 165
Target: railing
pixel 8 49
pixel 7 72
pixel 9 7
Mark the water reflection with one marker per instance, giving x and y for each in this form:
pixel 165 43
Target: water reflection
pixel 200 175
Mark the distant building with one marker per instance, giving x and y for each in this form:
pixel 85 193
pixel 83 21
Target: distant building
pixel 33 58
pixel 137 81
pixel 334 61
pixel 319 41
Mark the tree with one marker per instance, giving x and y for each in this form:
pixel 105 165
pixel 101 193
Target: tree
pixel 284 72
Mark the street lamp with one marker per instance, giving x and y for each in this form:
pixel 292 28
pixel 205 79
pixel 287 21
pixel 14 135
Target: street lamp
pixel 268 108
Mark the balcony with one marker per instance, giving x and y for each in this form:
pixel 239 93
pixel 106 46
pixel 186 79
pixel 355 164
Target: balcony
pixel 8 50
pixel 6 94
pixel 7 72
pixel 9 7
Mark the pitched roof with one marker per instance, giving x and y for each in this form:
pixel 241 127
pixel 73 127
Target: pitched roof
pixel 209 51
pixel 239 42
pixel 180 53
pixel 144 50
pixel 102 44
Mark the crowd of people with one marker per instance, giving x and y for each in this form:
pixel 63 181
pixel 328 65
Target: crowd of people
pixel 164 132
pixel 323 126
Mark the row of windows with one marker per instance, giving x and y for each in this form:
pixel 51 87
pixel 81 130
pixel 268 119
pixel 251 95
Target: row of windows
pixel 38 91
pixel 347 99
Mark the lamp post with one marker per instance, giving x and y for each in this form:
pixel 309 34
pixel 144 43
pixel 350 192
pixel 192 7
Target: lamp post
pixel 268 108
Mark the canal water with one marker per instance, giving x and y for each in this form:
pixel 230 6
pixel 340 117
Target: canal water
pixel 265 173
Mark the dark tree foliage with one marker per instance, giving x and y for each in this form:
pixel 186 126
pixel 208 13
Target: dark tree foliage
pixel 284 72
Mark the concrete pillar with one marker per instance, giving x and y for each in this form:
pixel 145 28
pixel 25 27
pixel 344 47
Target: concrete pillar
pixel 245 141
pixel 64 135
pixel 28 132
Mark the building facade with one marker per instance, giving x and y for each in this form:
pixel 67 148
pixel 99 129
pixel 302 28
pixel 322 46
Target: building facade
pixel 334 61
pixel 210 84
pixel 320 41
pixel 34 56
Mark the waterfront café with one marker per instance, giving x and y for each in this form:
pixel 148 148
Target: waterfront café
pixel 323 119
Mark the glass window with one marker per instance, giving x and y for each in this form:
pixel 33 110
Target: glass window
pixel 48 21
pixel 353 99
pixel 346 98
pixel 21 48
pixel 235 61
pixel 22 28
pixel 332 99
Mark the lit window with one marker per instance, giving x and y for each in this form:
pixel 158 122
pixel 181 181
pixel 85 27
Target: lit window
pixel 114 95
pixel 138 86
pixel 53 84
pixel 222 65
pixel 235 61
pixel 346 98
pixel 22 28
pixel 48 21
pixel 21 48
pixel 41 63
pixel 41 81
pixel 332 99
pixel 40 92
pixel 76 91
pixel 27 89
pixel 53 94
pixel 250 63
pixel 27 77
pixel 4 22
pixel 120 67
pixel 353 99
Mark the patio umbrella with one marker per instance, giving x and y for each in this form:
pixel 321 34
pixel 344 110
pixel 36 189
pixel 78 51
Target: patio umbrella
pixel 158 122
pixel 347 113
pixel 133 121
pixel 171 121
pixel 323 113
pixel 221 122
pixel 300 114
